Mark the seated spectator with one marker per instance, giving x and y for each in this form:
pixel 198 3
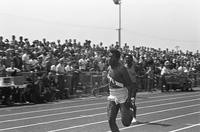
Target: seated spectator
pixel 12 70
pixel 2 69
pixel 166 69
pixel 182 68
pixel 68 67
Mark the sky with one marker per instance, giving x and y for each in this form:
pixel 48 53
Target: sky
pixel 151 23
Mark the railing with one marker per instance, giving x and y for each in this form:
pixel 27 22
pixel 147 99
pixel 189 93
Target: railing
pixel 34 86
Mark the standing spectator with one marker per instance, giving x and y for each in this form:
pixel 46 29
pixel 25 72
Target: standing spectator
pixel 25 57
pixel 2 69
pixel 165 70
pixel 12 70
pixel 2 44
pixel 14 41
pixel 60 68
pixel 21 42
pixel 7 45
pixel 82 63
pixel 60 71
pixel 17 60
pixel 150 78
pixel 68 67
pixel 75 79
pixel 7 59
pixel 101 65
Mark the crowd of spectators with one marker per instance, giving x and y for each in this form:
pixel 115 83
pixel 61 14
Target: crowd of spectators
pixel 64 57
pixel 72 56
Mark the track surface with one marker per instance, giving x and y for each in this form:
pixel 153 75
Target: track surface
pixel 157 112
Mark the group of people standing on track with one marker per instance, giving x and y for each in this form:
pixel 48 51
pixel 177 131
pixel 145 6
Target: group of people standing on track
pixel 122 90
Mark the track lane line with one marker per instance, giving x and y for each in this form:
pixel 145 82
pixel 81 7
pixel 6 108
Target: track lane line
pixel 78 106
pixel 48 115
pixel 156 121
pixel 89 116
pixel 183 128
pixel 94 123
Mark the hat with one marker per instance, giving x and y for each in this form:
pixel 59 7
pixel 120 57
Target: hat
pixel 40 57
pixel 61 60
pixel 166 63
pixel 6 40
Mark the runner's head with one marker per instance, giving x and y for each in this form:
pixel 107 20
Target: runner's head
pixel 114 57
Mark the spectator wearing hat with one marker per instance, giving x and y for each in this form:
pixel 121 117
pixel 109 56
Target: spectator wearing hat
pixel 39 67
pixel 7 44
pixel 60 71
pixel 82 63
pixel 60 68
pixel 165 70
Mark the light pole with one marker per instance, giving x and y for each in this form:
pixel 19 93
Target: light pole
pixel 118 2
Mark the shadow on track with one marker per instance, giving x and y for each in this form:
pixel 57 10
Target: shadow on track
pixel 149 123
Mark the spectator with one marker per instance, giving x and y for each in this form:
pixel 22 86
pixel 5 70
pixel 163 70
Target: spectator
pixel 2 44
pixel 12 70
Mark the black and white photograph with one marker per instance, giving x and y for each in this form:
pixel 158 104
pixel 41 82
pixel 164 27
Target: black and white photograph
pixel 99 65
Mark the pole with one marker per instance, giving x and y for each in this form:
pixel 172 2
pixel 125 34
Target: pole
pixel 119 30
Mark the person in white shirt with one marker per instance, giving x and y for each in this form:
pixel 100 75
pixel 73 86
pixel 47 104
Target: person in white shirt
pixel 164 71
pixel 60 68
pixel 182 68
pixel 12 70
pixel 82 63
pixel 60 71
pixel 68 67
pixel 25 57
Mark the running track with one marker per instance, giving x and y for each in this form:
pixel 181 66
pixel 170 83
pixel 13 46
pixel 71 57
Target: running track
pixel 157 112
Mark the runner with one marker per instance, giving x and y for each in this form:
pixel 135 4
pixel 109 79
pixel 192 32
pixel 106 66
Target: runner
pixel 129 64
pixel 120 92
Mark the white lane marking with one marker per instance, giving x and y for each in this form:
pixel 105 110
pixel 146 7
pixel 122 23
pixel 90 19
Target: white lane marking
pixel 183 128
pixel 78 106
pixel 83 125
pixel 164 119
pixel 42 123
pixel 61 113
pixel 80 100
